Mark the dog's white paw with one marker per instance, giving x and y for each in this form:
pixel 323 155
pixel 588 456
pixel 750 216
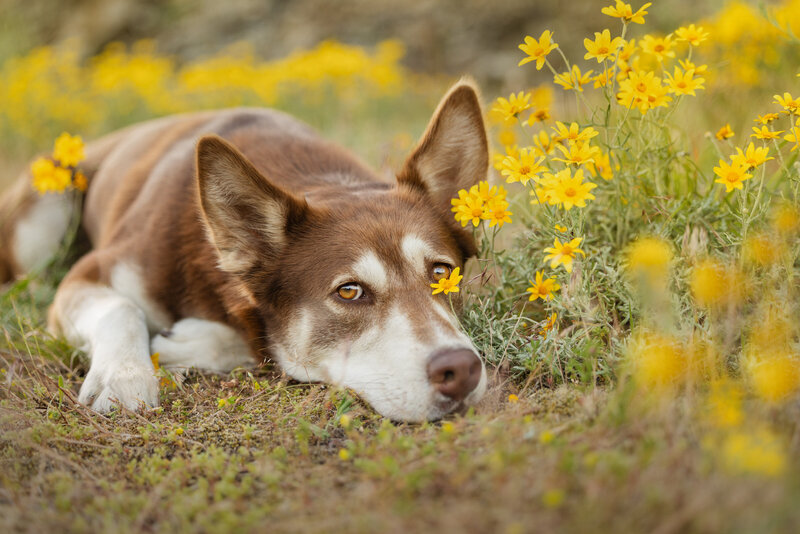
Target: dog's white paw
pixel 129 383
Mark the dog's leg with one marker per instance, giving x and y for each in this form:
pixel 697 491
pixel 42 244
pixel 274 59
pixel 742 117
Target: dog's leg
pixel 113 331
pixel 202 344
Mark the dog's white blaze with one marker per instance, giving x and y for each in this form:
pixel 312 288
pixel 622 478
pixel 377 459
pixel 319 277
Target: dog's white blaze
pixel 38 234
pixel 202 344
pixel 415 250
pixel 126 280
pixel 112 330
pixel 370 270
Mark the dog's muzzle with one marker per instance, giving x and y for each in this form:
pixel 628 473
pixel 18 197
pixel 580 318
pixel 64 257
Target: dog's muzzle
pixel 454 373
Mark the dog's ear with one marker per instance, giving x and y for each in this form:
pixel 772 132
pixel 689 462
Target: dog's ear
pixel 247 217
pixel 453 153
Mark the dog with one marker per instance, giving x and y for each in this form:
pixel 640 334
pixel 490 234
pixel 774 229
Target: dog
pixel 227 238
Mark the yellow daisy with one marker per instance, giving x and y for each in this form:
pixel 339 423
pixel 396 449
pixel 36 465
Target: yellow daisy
pixel 537 50
pixel 449 284
pixel 68 150
pixel 684 82
pixel 731 175
pixel 563 254
pixel 570 191
pixel 661 47
pixel 766 133
pixel 573 132
pixel 694 35
pixel 724 133
pixel 573 79
pixel 510 109
pixel 523 168
pixel 603 46
pixel 752 157
pixel 48 177
pixel 624 11
pixel 542 288
pixel 790 105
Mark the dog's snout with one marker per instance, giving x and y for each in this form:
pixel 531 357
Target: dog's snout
pixel 455 373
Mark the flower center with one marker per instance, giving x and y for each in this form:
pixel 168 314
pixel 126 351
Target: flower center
pixel 570 192
pixel 525 169
pixel 733 177
pixel 642 87
pixel 566 250
pixel 538 52
pixel 659 48
pixel 543 290
pixel 602 50
pixel 681 85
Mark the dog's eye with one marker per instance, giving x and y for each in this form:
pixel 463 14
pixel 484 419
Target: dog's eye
pixel 350 291
pixel 440 271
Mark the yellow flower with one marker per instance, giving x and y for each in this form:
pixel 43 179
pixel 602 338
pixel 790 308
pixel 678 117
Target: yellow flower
pixel 541 288
pixel 752 158
pixel 724 133
pixel 496 213
pixel 661 47
pixel 624 11
pixel 627 50
pixel 790 105
pixel 731 175
pixel 601 79
pixel 543 144
pixel 507 137
pixel 47 177
pixel 540 115
pixel 523 168
pixel 774 377
pixel 642 90
pixel 513 399
pixel 754 451
pixel 649 255
pixel 601 166
pixel 603 46
pixel 573 133
pixel 68 150
pixel 573 79
pixel 344 455
pixel 80 182
pixel 511 108
pixel 794 139
pixel 725 404
pixel 785 219
pixel 765 133
pixel 712 284
pixel 762 249
pixel 467 207
pixel 766 118
pixel 500 156
pixel 560 228
pixel 684 82
pixel 658 361
pixel 577 154
pixel 688 65
pixel 486 193
pixel 568 191
pixel 537 50
pixel 563 254
pixel 551 322
pixel 448 285
pixel 694 35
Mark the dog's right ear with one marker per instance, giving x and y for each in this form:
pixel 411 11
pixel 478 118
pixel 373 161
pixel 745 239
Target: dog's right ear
pixel 246 216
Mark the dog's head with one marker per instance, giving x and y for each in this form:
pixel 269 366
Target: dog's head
pixel 343 276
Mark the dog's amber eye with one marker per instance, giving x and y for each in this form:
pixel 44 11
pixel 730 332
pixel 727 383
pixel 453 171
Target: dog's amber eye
pixel 440 271
pixel 350 291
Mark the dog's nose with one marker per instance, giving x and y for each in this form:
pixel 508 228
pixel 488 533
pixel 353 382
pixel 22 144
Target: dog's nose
pixel 454 373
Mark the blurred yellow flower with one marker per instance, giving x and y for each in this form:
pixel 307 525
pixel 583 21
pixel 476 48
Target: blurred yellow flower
pixel 47 177
pixel 573 132
pixel 766 118
pixel 499 157
pixel 650 256
pixel 80 182
pixel 68 150
pixel 725 404
pixel 731 175
pixel 510 109
pixel 785 219
pixel 563 254
pixel 542 288
pixel 694 35
pixel 577 154
pixel 543 144
pixel 507 137
pixel 724 133
pixel 775 377
pixel 537 50
pixel 623 11
pixel 753 451
pixel 553 498
pixel 344 455
pixel 762 249
pixel 713 284
pixel 551 322
pixel 642 90
pixel 513 399
pixel 657 361
pixel 601 166
pixel 660 47
pixel 573 79
pixel 602 47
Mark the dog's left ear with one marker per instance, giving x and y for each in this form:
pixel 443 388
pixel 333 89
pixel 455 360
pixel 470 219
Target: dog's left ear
pixel 453 153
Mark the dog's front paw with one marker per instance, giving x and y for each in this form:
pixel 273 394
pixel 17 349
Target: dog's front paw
pixel 131 384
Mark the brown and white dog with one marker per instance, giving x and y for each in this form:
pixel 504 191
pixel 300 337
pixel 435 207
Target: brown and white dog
pixel 224 238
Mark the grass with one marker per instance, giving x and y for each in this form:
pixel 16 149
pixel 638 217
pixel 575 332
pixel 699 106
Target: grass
pixel 276 455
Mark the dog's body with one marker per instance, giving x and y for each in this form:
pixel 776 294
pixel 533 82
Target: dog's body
pixel 285 247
